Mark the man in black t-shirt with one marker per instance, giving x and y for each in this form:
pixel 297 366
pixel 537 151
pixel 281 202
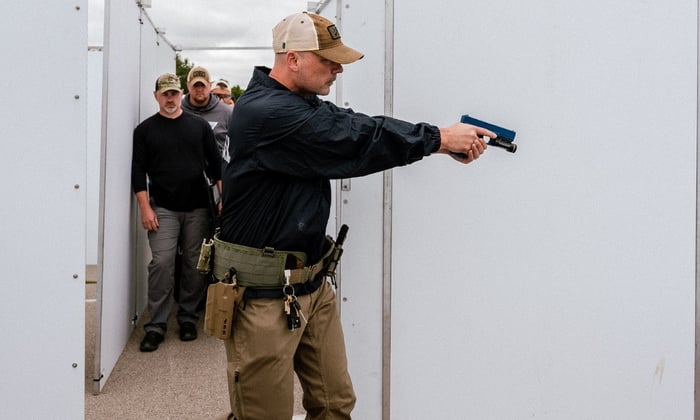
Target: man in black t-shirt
pixel 170 152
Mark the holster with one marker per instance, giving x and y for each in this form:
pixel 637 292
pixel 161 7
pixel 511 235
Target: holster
pixel 223 299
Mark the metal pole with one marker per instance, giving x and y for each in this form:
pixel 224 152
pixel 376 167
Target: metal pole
pixel 387 214
pixel 697 226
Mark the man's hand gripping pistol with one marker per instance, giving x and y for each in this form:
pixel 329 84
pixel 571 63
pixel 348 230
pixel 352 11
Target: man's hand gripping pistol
pixel 504 139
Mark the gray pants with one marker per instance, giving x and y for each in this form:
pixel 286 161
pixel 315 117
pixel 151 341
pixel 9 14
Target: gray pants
pixel 186 229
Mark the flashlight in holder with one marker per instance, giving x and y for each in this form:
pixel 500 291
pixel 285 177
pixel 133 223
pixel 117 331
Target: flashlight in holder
pixel 504 137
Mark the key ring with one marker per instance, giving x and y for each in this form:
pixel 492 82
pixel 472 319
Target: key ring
pixel 287 275
pixel 286 290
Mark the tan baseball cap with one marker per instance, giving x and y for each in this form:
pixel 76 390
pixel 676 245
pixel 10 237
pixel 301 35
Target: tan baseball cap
pixel 166 82
pixel 310 32
pixel 198 74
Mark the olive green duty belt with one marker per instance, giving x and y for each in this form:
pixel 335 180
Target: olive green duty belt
pixel 262 267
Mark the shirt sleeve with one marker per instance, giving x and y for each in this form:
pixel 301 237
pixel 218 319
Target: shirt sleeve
pixel 332 142
pixel 138 160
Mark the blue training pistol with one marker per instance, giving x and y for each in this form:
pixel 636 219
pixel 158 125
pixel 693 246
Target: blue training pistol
pixel 504 139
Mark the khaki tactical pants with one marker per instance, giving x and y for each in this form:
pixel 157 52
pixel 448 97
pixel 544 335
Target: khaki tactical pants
pixel 263 353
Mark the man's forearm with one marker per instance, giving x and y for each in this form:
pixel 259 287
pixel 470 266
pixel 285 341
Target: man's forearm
pixel 142 199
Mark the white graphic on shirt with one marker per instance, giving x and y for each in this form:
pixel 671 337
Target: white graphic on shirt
pixel 223 148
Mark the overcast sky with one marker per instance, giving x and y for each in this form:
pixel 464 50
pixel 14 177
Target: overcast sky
pixel 213 23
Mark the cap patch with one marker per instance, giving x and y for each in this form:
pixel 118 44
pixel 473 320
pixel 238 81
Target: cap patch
pixel 334 32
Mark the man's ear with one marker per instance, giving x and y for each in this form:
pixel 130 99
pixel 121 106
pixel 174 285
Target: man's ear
pixel 293 58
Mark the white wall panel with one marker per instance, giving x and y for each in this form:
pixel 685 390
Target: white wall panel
pixel 360 203
pixel 120 108
pixel 94 142
pixel 133 60
pixel 42 219
pixel 558 282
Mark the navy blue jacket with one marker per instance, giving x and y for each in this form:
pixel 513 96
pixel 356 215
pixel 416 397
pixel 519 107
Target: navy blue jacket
pixel 284 150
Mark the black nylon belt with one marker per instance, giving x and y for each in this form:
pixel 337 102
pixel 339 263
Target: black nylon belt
pixel 300 289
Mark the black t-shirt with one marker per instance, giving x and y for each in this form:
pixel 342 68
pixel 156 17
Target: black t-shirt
pixel 173 153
